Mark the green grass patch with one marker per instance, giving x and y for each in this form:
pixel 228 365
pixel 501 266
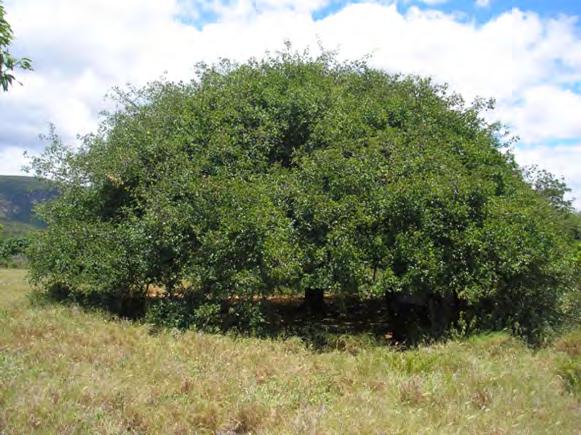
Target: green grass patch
pixel 66 370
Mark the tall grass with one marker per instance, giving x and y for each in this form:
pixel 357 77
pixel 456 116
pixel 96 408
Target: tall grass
pixel 63 370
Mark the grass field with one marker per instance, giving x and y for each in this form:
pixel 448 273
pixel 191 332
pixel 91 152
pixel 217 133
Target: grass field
pixel 63 370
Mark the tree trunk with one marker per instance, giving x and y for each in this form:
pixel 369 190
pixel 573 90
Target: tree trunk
pixel 443 312
pixel 314 301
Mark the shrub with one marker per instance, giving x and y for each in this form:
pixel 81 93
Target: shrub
pixel 13 251
pixel 312 175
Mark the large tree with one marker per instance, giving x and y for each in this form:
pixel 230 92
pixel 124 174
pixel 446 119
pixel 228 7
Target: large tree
pixel 310 175
pixel 8 63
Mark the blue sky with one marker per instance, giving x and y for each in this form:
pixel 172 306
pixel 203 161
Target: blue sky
pixel 526 54
pixel 546 8
pixel 471 8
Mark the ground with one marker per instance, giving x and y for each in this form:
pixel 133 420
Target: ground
pixel 65 370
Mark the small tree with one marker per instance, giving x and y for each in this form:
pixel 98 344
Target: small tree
pixel 549 187
pixel 310 175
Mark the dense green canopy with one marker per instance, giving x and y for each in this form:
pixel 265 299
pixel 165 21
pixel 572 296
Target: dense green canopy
pixel 299 173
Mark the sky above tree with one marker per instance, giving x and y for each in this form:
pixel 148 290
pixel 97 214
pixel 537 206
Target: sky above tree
pixel 524 53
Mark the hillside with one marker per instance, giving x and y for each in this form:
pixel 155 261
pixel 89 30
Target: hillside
pixel 18 196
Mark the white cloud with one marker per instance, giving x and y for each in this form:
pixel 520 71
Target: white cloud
pixel 516 58
pixel 529 64
pixel 545 112
pixel 482 3
pixel 12 160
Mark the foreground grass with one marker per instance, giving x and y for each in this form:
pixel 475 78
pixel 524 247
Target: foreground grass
pixel 67 371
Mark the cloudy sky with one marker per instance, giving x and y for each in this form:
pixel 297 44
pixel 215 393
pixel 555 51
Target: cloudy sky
pixel 524 53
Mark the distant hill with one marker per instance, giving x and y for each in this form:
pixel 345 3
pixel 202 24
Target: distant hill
pixel 18 196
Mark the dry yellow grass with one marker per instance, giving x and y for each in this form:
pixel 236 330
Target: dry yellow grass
pixel 63 370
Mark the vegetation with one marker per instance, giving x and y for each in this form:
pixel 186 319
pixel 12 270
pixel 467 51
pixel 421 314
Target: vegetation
pixel 8 63
pixel 68 371
pixel 554 190
pixel 296 175
pixel 13 251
